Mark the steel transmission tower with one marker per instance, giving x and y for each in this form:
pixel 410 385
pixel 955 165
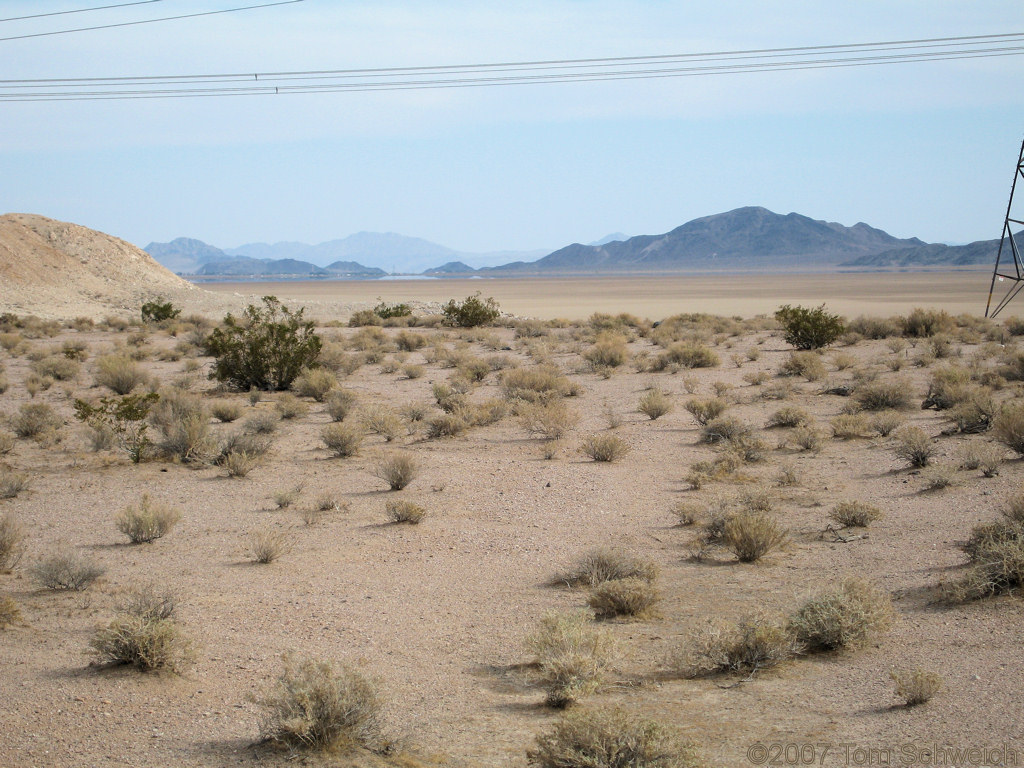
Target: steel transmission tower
pixel 1008 247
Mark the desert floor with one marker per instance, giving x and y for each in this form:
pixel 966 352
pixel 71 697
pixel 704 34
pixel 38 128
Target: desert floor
pixel 437 613
pixel 746 295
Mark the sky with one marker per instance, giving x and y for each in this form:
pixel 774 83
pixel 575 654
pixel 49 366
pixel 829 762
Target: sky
pixel 920 150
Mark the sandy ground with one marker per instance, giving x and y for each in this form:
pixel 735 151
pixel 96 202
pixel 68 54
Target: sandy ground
pixel 438 612
pixel 851 294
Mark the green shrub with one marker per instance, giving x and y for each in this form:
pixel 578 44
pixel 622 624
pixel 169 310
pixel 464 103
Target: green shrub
pixel 319 705
pixel 471 312
pixel 385 310
pixel 157 311
pixel 612 738
pixel 809 328
pixel 123 417
pixel 265 350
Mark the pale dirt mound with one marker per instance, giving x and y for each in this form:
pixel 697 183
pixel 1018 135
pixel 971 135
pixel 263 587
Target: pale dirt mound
pixel 54 269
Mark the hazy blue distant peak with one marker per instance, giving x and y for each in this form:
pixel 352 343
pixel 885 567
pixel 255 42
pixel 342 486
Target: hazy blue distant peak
pixel 612 238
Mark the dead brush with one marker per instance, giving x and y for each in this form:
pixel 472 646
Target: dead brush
pixel 807 438
pixel 147 643
pixel 884 423
pixel 996 559
pixel 754 643
pixel 322 706
pixel 939 476
pixel 397 470
pixel 267 545
pixel 806 364
pixel 633 597
pixel 285 498
pixel 612 738
pixel 848 426
pixel 381 420
pixel 339 403
pixel 342 440
pixel 602 564
pixel 879 395
pixel 148 521
pixel 1008 427
pixel 446 425
pixel 788 416
pixel 550 420
pixel 12 483
pixel 571 656
pixel 724 428
pixel 984 456
pixel 226 411
pixel 846 616
pixel 35 419
pixel 10 613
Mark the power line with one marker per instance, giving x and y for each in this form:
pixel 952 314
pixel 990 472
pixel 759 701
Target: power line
pixel 517 73
pixel 80 10
pixel 147 21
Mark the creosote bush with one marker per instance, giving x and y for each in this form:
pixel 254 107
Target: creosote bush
pixel 397 470
pixel 571 656
pixel 149 521
pixel 809 328
pixel 613 738
pixel 847 616
pixel 267 348
pixel 471 312
pixel 318 705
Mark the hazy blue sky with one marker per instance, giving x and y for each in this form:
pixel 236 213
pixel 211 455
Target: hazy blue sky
pixel 924 149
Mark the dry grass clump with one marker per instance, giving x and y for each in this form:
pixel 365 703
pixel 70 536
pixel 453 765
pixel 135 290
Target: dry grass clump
pixel 804 363
pixel 917 686
pixel 788 416
pixel 397 470
pixel 12 537
pixel 847 426
pixel 285 498
pixel 66 569
pixel 342 440
pixel 1008 427
pixel 381 420
pixel 226 411
pixel 807 439
pixel 884 423
pixel 315 383
pixel 846 616
pixel 56 367
pixel 289 406
pixel 149 643
pixel 604 564
pixel 613 738
pixel 147 522
pixel 984 456
pixel 339 403
pixel 571 656
pixel 402 511
pixel 859 514
pixel 705 410
pixel 756 378
pixel 120 374
pixel 913 445
pixel 323 706
pixel 446 425
pixel 266 545
pixel 879 395
pixel 539 383
pixel 604 447
pixel 35 419
pixel 10 613
pixel 752 535
pixel 263 423
pixel 550 420
pixel 632 597
pixel 655 404
pixel 754 643
pixel 12 483
pixel 6 442
pixel 938 476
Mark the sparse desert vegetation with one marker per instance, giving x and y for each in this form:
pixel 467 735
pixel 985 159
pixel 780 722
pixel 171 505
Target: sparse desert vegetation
pixel 795 524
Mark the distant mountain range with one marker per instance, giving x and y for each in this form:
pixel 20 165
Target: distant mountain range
pixel 751 238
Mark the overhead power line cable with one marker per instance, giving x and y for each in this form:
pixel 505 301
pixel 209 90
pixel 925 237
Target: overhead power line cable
pixel 80 10
pixel 515 73
pixel 147 21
